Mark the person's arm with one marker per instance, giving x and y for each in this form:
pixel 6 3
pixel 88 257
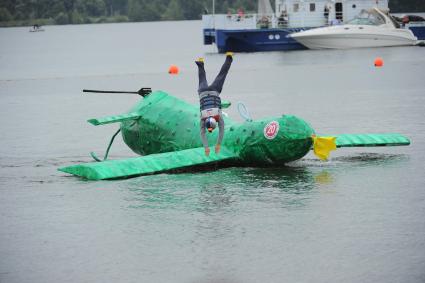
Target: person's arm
pixel 220 134
pixel 204 138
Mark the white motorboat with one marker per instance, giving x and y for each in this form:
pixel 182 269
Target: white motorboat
pixel 36 28
pixel 372 28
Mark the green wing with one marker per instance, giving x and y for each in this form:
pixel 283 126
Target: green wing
pixel 371 140
pixel 323 145
pixel 149 164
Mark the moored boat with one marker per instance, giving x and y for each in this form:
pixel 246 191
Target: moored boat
pixel 36 28
pixel 373 28
pixel 268 30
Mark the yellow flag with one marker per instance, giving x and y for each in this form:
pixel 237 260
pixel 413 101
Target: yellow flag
pixel 322 146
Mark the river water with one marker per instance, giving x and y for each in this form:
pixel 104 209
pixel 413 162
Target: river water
pixel 358 217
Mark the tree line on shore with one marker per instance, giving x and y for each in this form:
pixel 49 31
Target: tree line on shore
pixel 41 12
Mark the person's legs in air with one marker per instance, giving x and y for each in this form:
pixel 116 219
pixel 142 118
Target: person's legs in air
pixel 217 85
pixel 203 85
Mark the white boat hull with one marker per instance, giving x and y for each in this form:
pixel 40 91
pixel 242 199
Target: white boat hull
pixel 347 36
pixel 373 28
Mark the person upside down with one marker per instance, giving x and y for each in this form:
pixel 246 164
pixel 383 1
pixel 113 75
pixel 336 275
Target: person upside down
pixel 210 102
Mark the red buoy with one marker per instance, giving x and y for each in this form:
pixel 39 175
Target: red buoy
pixel 173 70
pixel 379 62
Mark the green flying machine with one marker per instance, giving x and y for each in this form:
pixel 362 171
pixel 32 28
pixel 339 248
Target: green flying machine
pixel 165 131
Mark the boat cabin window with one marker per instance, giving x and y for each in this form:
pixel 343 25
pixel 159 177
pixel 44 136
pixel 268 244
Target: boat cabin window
pixel 296 7
pixel 366 18
pixel 338 11
pixel 312 7
pixel 394 21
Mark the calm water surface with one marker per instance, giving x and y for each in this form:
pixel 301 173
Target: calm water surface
pixel 358 217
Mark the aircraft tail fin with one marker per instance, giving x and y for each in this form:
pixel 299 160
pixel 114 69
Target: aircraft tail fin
pixel 135 114
pixel 114 119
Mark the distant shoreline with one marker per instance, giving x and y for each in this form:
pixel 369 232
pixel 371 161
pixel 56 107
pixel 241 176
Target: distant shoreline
pixel 113 19
pixel 51 22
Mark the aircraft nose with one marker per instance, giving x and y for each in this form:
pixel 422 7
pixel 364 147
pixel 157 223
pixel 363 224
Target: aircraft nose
pixel 287 139
pixel 277 141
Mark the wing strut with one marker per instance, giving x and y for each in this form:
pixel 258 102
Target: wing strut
pixel 107 150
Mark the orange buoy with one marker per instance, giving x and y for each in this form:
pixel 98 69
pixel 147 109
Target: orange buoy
pixel 379 62
pixel 173 70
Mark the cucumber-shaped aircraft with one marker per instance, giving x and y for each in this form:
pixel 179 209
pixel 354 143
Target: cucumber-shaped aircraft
pixel 165 131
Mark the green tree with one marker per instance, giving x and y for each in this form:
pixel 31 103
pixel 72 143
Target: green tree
pixel 152 12
pixel 62 19
pixel 140 10
pixel 21 10
pixel 173 11
pixel 52 8
pixel 9 5
pixel 120 7
pixel 135 10
pixel 95 8
pixel 192 9
pixel 5 15
pixel 76 17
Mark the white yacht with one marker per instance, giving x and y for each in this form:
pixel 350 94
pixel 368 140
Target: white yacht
pixel 371 28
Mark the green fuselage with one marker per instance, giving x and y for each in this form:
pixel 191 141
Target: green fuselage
pixel 170 124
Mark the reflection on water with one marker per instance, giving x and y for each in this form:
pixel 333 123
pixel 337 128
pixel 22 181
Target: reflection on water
pixel 227 189
pixel 324 178
pixel 372 159
pixel 217 190
pixel 215 212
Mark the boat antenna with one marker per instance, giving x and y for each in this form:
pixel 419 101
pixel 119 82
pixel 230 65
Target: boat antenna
pixel 213 11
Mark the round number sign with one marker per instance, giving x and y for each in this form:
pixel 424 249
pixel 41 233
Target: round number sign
pixel 271 130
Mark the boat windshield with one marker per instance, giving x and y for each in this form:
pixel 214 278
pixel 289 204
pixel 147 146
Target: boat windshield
pixel 367 18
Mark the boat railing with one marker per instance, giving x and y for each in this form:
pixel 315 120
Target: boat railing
pixel 414 25
pixel 265 21
pixel 309 21
pixel 229 21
